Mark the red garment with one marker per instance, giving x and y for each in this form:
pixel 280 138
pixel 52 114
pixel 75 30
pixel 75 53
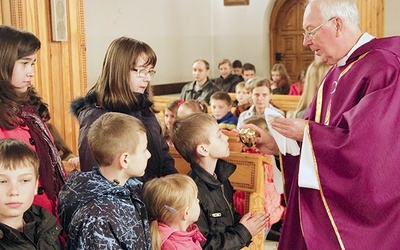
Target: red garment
pixel 356 156
pixel 22 133
pixel 296 88
pixel 171 238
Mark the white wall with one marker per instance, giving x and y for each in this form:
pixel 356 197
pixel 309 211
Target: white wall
pixel 392 19
pixel 181 31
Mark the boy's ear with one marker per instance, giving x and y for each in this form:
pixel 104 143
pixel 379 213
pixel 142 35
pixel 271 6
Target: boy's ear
pixel 202 150
pixel 123 160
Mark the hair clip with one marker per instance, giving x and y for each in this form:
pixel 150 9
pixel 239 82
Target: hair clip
pixel 171 209
pixel 180 102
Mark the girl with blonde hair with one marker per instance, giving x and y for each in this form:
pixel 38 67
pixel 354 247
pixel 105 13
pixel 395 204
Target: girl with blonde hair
pixel 314 75
pixel 173 207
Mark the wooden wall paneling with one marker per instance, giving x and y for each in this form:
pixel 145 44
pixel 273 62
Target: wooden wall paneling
pixel 60 73
pixel 372 16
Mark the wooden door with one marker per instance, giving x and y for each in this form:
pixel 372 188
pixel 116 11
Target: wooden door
pixel 286 39
pixel 286 31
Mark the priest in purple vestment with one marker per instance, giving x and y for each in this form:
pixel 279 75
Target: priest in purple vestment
pixel 343 190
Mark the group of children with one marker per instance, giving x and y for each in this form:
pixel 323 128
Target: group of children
pixel 103 209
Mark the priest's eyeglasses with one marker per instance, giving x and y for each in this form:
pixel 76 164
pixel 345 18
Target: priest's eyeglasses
pixel 142 72
pixel 310 34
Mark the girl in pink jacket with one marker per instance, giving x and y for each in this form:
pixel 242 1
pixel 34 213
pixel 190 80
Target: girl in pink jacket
pixel 173 207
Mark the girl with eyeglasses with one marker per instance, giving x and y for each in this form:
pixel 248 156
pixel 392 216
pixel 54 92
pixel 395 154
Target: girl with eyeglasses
pixel 124 86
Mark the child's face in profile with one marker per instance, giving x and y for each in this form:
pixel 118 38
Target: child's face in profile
pixel 194 210
pixel 138 160
pixel 219 108
pixel 218 146
pixel 17 190
pixel 242 95
pixel 22 73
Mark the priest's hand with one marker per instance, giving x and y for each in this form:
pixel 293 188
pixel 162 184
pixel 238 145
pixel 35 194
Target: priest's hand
pixel 292 128
pixel 264 141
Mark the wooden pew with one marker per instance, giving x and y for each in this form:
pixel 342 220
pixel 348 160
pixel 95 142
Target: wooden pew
pixel 285 102
pixel 248 177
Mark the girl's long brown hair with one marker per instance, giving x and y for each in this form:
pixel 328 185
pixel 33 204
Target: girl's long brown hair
pixel 112 88
pixel 14 45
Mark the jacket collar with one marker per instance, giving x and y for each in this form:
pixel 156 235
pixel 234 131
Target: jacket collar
pixel 223 170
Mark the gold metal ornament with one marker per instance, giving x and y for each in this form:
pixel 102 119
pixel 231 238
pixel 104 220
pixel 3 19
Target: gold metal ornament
pixel 248 137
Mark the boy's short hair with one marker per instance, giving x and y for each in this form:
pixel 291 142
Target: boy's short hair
pixel 258 82
pixel 112 134
pixel 16 154
pixel 248 66
pixel 204 61
pixel 225 61
pixel 236 64
pixel 190 131
pixel 223 96
pixel 258 120
pixel 240 85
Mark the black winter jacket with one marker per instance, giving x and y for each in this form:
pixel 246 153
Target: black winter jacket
pixel 41 232
pixel 219 220
pixel 204 94
pixel 87 111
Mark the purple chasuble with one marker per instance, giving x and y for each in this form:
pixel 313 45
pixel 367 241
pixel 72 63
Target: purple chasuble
pixel 356 147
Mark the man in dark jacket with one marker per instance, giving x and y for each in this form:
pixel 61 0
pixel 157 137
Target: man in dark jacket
pixel 202 87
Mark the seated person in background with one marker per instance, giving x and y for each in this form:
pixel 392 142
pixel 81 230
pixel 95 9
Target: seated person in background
pixel 249 71
pixel 314 75
pixel 243 97
pixel 170 115
pixel 63 149
pixel 227 81
pixel 22 224
pixel 172 204
pixel 191 106
pixel 280 84
pixel 237 68
pixel 102 209
pixel 221 106
pixel 200 141
pixel 260 90
pixel 202 87
pixel 297 87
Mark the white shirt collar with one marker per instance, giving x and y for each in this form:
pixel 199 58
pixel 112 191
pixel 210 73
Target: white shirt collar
pixel 365 38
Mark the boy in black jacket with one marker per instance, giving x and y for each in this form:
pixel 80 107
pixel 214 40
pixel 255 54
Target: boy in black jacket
pixel 23 225
pixel 198 138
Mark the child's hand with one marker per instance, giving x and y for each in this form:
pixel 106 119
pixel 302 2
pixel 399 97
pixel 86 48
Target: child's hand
pixel 74 162
pixel 254 222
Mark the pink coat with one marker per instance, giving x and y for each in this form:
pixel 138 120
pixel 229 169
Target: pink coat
pixel 22 133
pixel 172 239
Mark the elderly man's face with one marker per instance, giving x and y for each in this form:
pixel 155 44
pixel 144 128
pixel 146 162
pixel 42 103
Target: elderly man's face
pixel 323 41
